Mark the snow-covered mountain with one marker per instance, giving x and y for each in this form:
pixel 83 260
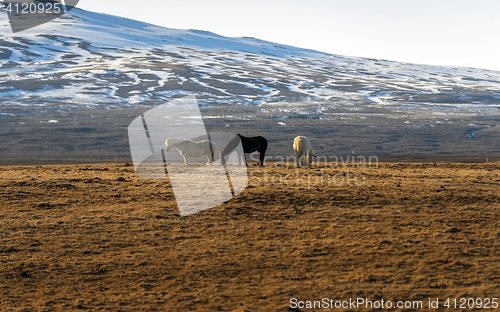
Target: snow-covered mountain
pixel 92 63
pixel 86 59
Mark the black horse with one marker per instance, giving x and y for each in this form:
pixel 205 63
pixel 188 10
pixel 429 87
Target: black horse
pixel 250 145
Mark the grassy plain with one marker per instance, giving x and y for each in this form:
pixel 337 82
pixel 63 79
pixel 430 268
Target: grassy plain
pixel 96 237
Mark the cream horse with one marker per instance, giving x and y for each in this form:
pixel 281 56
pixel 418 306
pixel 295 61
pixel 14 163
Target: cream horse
pixel 188 148
pixel 304 152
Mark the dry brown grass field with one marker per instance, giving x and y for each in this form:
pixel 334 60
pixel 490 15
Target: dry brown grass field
pixel 97 237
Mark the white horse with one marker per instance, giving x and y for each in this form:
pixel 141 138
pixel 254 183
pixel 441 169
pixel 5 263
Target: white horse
pixel 304 152
pixel 188 148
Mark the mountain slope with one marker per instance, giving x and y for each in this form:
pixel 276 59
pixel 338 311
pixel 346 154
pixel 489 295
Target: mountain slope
pixel 102 59
pixel 87 66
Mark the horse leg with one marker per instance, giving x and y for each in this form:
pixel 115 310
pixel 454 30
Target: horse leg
pixel 262 153
pixel 185 160
pixel 209 162
pixel 297 159
pixel 212 148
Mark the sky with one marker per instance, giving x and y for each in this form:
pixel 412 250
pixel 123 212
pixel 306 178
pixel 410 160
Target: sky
pixel 437 32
